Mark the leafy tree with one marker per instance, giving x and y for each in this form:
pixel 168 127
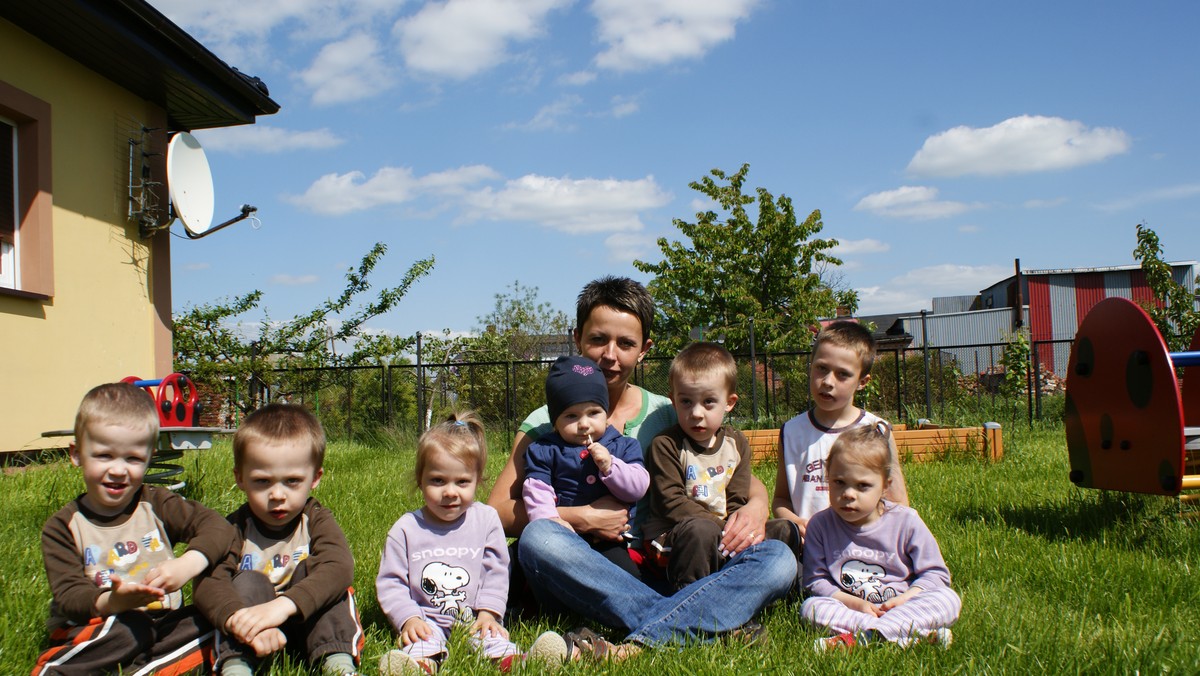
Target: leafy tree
pixel 1175 315
pixel 731 269
pixel 214 348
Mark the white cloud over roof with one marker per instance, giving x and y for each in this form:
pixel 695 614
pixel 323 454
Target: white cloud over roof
pixel 1018 145
pixel 461 38
pixel 913 202
pixel 351 69
pixel 641 34
pixel 339 194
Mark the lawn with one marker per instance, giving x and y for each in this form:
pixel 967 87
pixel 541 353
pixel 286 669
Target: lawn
pixel 1054 579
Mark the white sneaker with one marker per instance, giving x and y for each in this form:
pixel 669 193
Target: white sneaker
pixel 942 637
pixel 400 663
pixel 549 648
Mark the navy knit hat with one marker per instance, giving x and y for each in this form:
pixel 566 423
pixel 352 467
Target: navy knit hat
pixel 574 380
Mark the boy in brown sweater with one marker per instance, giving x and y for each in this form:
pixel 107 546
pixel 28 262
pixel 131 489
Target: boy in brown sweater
pixel 114 578
pixel 287 580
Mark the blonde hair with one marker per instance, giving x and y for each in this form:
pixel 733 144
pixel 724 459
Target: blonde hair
pixel 280 422
pixel 705 359
pixel 461 435
pixel 866 446
pixel 117 403
pixel 852 336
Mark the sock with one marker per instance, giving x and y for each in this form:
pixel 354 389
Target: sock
pixel 339 663
pixel 236 666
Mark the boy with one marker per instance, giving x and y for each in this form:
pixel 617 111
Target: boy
pixel 114 578
pixel 585 458
pixel 287 579
pixel 841 366
pixel 701 468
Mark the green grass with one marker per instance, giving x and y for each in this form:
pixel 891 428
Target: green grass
pixel 1054 579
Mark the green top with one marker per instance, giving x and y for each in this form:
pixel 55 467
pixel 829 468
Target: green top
pixel 656 416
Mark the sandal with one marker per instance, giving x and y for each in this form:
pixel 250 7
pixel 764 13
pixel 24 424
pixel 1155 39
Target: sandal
pixel 585 642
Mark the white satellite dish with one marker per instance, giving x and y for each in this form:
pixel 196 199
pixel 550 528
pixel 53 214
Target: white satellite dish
pixel 190 183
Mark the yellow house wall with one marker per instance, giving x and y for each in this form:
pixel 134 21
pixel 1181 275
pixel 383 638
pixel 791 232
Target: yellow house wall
pixel 101 323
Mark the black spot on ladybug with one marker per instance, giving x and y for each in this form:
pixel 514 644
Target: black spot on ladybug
pixel 1106 431
pixel 1139 378
pixel 1085 357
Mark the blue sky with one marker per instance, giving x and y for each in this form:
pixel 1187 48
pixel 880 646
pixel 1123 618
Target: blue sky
pixel 551 141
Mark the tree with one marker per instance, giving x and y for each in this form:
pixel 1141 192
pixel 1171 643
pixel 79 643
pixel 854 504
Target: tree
pixel 213 348
pixel 1175 314
pixel 729 271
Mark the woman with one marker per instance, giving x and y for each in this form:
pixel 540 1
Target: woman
pixel 612 328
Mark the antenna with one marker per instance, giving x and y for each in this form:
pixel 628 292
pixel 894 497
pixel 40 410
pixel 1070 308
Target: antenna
pixel 190 182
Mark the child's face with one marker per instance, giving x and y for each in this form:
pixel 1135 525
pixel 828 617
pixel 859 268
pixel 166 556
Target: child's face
pixel 277 477
pixel 701 404
pixel 448 486
pixel 835 376
pixel 579 422
pixel 113 458
pixel 855 492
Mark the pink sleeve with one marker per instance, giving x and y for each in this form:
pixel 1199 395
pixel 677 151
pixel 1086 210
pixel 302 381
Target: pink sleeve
pixel 540 499
pixel 627 482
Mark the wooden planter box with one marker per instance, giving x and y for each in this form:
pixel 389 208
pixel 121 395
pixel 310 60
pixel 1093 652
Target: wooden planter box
pixel 926 442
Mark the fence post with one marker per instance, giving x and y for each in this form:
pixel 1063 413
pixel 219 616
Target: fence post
pixel 753 376
pixel 925 356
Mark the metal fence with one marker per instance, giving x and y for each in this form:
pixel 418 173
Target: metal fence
pixel 951 383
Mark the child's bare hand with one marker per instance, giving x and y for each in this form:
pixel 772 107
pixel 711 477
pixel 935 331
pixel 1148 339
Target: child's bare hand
pixel 861 605
pixel 486 625
pixel 415 629
pixel 124 596
pixel 900 600
pixel 601 455
pixel 246 624
pixel 268 641
pixel 172 575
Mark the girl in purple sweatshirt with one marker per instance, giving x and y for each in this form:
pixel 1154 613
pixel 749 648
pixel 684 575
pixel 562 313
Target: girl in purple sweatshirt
pixel 446 564
pixel 872 569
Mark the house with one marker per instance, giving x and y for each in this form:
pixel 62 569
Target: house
pixel 89 92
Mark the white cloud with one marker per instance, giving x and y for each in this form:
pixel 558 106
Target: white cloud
pixel 461 38
pixel 348 70
pixel 913 202
pixel 915 289
pixel 551 116
pixel 850 247
pixel 640 34
pixel 263 138
pixel 294 280
pixel 1170 193
pixel 1018 145
pixel 623 106
pixel 575 206
pixel 578 78
pixel 338 194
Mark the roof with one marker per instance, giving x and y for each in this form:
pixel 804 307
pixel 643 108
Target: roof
pixel 1110 268
pixel 137 47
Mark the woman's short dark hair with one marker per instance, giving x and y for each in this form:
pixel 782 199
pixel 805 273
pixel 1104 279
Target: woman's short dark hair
pixel 619 293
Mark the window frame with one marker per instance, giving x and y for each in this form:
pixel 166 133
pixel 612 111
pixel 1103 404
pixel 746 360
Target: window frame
pixel 33 236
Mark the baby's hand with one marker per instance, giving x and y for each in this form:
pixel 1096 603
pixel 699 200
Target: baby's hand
pixel 247 623
pixel 415 629
pixel 601 455
pixel 171 575
pixel 860 604
pixel 486 625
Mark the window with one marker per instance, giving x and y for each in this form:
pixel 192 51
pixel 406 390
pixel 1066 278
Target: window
pixel 26 253
pixel 8 204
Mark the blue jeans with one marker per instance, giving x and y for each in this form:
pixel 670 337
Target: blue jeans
pixel 562 567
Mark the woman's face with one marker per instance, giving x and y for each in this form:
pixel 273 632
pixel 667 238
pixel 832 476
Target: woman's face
pixel 613 339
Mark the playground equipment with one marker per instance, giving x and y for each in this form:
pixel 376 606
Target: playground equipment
pixel 1130 426
pixel 177 401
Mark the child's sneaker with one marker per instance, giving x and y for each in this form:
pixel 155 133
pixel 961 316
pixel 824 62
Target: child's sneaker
pixel 548 650
pixel 839 642
pixel 400 663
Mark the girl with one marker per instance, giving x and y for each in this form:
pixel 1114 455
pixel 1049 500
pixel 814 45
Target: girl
pixel 872 569
pixel 446 564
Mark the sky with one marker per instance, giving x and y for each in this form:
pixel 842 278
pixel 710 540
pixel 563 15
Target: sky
pixel 550 142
